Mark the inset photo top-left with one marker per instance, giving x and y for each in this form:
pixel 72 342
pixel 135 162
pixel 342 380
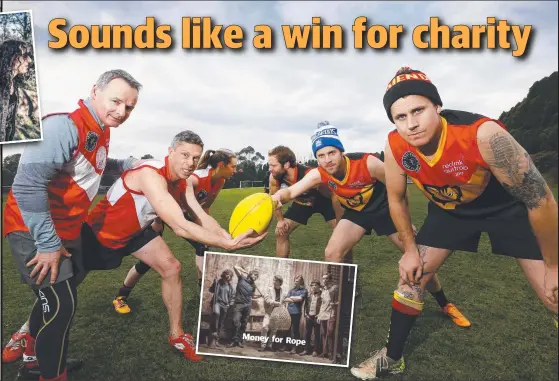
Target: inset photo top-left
pixel 20 116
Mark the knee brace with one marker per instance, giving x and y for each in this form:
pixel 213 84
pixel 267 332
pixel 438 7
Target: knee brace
pixel 142 268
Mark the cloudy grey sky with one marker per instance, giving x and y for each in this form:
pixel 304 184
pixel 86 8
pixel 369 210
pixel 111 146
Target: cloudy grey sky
pixel 238 98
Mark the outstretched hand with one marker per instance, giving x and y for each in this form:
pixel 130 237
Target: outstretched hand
pixel 244 240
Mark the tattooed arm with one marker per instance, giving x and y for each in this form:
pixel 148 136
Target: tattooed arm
pixel 514 169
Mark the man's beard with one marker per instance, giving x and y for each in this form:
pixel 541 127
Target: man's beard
pixel 280 177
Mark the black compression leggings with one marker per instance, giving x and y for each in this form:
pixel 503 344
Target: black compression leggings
pixel 50 322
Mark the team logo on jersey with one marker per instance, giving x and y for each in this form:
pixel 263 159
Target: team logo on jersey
pixel 101 158
pixel 411 162
pixel 444 194
pixel 91 141
pixel 202 195
pixel 355 201
pixel 332 184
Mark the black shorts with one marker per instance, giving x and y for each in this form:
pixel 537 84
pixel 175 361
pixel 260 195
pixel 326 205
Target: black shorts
pixel 509 231
pixel 379 221
pixel 99 257
pixel 301 213
pixel 199 248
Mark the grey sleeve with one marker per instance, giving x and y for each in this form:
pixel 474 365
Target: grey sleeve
pixel 116 166
pixel 39 163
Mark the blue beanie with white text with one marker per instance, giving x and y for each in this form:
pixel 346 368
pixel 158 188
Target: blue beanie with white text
pixel 326 135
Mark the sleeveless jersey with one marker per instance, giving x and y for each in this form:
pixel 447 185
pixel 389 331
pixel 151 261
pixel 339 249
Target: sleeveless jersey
pixel 357 190
pixel 457 178
pixel 71 192
pixel 204 192
pixel 309 197
pixel 123 212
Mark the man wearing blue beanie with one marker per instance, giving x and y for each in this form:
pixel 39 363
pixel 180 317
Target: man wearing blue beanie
pixel 326 135
pixel 358 181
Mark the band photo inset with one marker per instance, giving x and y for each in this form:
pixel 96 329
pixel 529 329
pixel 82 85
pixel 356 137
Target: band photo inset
pixel 20 119
pixel 276 309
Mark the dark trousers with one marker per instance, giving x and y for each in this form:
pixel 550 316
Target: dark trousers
pixel 312 325
pixel 295 328
pixel 241 313
pixel 218 317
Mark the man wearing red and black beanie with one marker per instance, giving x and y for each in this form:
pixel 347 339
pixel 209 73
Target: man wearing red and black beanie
pixel 478 179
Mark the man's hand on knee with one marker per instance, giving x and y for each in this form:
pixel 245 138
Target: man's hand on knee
pixel 282 228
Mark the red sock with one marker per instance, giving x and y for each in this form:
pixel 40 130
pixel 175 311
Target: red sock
pixel 61 377
pixel 29 356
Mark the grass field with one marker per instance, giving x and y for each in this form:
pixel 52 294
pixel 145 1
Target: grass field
pixel 512 335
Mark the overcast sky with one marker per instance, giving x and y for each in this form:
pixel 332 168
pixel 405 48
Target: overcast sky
pixel 233 99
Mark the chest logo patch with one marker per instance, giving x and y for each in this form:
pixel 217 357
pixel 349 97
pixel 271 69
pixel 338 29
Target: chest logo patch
pixel 411 162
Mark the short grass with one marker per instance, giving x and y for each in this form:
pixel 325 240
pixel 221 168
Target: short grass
pixel 512 336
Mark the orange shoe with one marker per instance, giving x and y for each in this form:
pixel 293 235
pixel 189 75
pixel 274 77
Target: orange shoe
pixel 13 351
pixel 185 344
pixel 457 318
pixel 121 306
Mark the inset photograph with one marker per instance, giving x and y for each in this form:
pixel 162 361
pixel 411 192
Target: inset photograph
pixel 276 309
pixel 20 116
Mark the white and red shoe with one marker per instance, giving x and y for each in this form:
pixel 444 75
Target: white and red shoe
pixel 15 347
pixel 185 344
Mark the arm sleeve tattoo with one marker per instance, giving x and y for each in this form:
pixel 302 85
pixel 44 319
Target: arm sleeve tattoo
pixel 519 175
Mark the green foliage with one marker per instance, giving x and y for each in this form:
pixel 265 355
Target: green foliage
pixel 251 165
pixel 534 123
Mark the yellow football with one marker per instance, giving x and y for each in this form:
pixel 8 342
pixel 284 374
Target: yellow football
pixel 253 212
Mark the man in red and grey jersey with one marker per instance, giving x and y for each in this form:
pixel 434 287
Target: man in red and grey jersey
pixel 214 169
pixel 121 225
pixel 52 191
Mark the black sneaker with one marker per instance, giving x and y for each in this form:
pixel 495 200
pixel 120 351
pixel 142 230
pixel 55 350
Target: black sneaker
pixel 31 374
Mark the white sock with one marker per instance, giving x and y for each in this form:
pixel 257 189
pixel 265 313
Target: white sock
pixel 24 328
